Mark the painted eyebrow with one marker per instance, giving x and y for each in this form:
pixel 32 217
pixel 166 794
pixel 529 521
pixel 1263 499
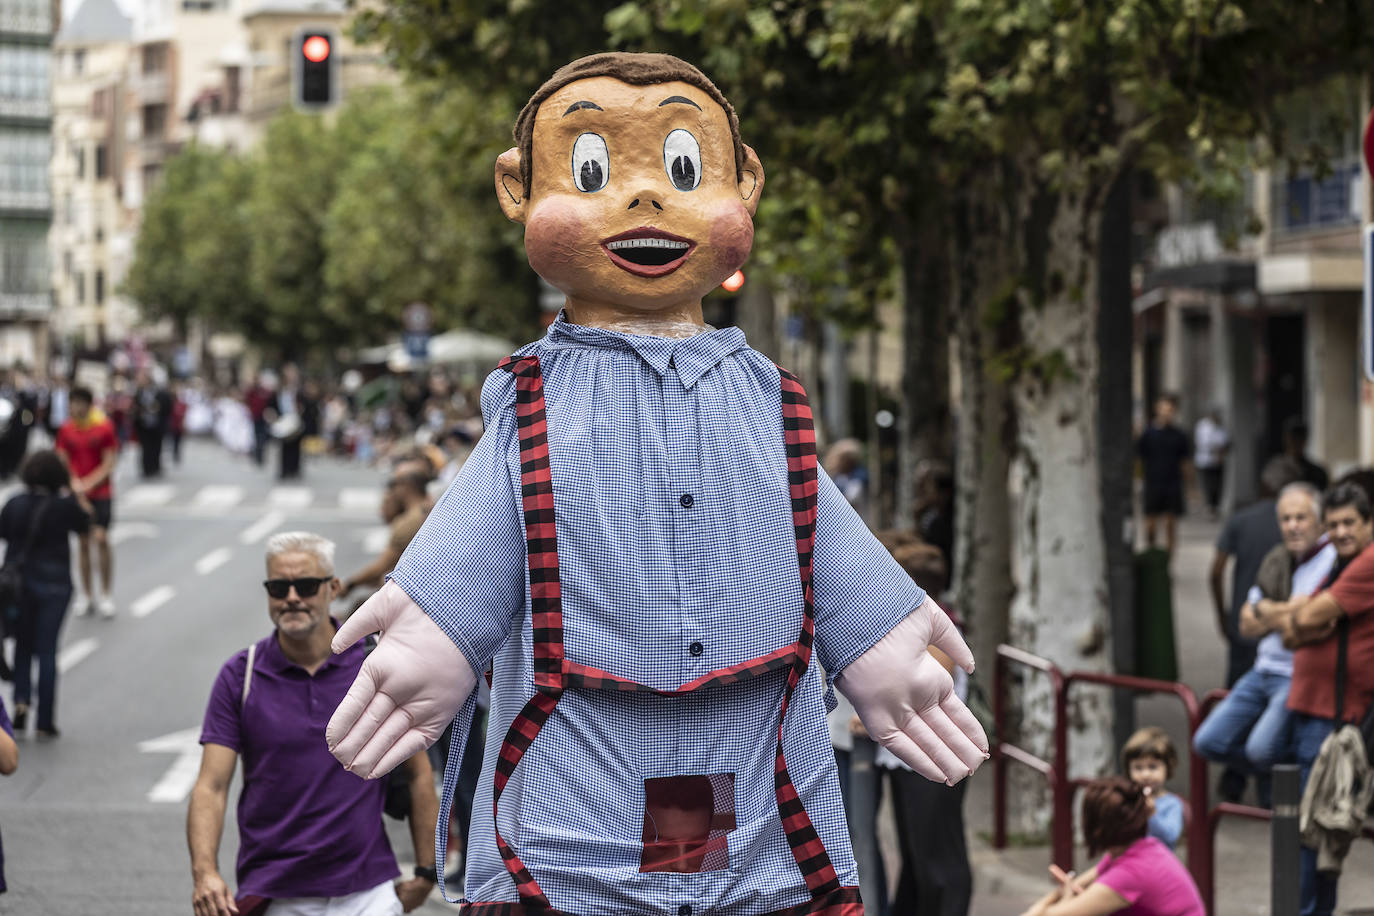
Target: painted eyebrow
pixel 576 106
pixel 680 100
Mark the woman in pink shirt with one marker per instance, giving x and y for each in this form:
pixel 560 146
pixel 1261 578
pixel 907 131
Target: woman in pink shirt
pixel 1137 876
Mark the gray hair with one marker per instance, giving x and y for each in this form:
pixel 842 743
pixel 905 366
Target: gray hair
pixel 303 542
pixel 1308 490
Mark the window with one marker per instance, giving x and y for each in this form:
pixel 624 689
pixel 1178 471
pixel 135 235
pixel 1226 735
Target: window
pixel 100 170
pixel 99 287
pixel 155 58
pixel 78 62
pixel 154 121
pixel 80 161
pixel 67 263
pixel 24 156
pixel 23 257
pixel 24 78
pixel 80 285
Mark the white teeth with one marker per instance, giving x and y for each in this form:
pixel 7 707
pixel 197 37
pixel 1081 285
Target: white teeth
pixel 645 243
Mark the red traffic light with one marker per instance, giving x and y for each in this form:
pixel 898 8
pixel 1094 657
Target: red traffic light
pixel 316 48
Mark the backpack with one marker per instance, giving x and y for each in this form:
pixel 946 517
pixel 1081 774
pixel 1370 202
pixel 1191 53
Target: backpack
pixel 397 804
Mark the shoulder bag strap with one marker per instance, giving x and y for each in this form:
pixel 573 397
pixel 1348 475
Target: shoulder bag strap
pixel 248 676
pixel 1342 647
pixel 35 522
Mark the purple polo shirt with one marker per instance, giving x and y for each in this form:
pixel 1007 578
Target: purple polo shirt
pixel 307 827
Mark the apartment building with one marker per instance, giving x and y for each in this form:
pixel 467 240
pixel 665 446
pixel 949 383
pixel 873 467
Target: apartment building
pixel 1254 306
pixel 26 35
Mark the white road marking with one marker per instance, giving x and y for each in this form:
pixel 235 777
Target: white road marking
pixel 262 527
pixel 375 539
pixel 123 531
pixel 176 783
pixel 148 494
pixel 360 498
pixel 213 560
pixel 152 601
pixel 74 654
pixel 289 497
pixel 217 496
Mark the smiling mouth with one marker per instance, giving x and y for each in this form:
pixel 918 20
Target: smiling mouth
pixel 647 252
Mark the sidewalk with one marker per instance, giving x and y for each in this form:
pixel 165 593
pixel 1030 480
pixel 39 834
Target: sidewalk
pixel 1007 881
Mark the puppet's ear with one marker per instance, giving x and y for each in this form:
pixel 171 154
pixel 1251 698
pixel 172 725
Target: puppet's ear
pixel 510 185
pixel 751 180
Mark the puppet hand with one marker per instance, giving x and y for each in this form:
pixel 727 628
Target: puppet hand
pixel 407 692
pixel 906 699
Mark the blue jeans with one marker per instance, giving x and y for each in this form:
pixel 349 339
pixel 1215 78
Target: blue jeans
pixel 1317 889
pixel 861 786
pixel 1250 729
pixel 41 611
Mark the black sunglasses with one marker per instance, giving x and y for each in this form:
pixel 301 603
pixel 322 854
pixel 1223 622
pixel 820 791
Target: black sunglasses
pixel 305 587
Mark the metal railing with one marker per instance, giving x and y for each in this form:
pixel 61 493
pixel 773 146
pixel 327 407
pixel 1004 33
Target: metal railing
pixel 1199 826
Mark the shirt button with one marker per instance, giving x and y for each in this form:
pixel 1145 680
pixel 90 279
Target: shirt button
pixel 696 648
pixel 684 910
pixel 686 502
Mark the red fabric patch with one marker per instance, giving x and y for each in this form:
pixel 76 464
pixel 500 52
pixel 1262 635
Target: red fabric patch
pixel 686 822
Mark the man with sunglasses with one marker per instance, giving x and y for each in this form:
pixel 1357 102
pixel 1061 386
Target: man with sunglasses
pixel 311 836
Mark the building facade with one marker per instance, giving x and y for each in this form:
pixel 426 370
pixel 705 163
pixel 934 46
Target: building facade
pixel 26 36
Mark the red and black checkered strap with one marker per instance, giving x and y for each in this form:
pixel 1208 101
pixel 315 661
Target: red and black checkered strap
pixel 843 901
pixel 799 434
pixel 519 737
pixel 541 534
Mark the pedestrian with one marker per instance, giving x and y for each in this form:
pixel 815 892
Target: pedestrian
pixel 1164 452
pixel 1245 539
pixel 311 837
pixel 294 409
pixel 258 399
pixel 35 525
pixel 1137 874
pixel 1336 619
pixel 406 502
pixel 844 463
pixel 1295 447
pixel 936 877
pixel 1211 442
pixel 9 762
pixel 1149 759
pixel 176 420
pixel 1249 729
pixel 89 444
pixel 152 411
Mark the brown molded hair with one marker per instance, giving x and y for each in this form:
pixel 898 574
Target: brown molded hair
pixel 1150 742
pixel 1116 812
pixel 634 69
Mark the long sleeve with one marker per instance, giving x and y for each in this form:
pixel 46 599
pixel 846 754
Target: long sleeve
pixel 860 590
pixel 466 566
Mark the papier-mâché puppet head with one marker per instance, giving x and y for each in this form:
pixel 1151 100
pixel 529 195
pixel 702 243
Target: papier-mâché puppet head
pixel 636 193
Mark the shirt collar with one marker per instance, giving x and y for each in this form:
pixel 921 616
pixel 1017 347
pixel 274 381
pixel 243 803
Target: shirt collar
pixel 272 658
pixel 691 357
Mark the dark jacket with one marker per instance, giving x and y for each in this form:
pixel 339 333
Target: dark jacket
pixel 49 560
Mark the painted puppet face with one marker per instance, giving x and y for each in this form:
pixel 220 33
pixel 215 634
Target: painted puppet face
pixel 634 199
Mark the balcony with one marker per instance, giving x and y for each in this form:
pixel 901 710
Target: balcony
pixel 151 87
pixel 21 306
pixel 31 109
pixel 29 18
pixel 32 202
pixel 1305 202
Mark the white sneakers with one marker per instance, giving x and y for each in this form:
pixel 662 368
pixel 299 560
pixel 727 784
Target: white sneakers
pixel 84 604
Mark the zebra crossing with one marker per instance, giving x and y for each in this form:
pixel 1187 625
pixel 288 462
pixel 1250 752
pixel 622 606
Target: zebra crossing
pixel 164 499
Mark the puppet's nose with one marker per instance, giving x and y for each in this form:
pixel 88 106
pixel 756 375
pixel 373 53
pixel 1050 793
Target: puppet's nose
pixel 638 200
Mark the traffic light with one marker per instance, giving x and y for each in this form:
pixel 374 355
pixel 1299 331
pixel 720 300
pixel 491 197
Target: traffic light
pixel 314 70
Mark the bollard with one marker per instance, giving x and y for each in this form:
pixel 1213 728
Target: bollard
pixel 1285 841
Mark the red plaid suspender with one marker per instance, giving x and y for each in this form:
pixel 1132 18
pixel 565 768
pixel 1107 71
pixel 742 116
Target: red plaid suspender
pixel 553 673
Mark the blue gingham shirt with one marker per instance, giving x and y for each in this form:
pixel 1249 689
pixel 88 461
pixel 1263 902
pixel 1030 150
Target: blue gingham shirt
pixel 674 528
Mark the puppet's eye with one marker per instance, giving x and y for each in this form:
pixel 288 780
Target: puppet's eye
pixel 682 158
pixel 591 164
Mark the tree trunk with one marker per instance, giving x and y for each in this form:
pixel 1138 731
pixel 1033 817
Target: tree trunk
pixel 923 424
pixel 983 273
pixel 1060 608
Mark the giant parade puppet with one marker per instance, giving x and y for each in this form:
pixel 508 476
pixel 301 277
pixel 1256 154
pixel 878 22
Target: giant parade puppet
pixel 643 552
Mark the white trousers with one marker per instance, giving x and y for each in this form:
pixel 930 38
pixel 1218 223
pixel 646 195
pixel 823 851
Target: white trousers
pixel 379 901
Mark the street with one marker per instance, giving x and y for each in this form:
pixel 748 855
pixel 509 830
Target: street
pixel 94 822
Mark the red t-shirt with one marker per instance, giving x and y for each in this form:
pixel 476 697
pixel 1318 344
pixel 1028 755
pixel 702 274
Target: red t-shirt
pixel 84 447
pixel 1314 666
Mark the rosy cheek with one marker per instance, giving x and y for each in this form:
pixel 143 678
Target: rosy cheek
pixel 732 235
pixel 554 239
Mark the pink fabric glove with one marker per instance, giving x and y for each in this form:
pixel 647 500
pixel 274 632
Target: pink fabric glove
pixel 906 698
pixel 409 689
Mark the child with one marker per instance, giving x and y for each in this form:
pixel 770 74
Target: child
pixel 1149 758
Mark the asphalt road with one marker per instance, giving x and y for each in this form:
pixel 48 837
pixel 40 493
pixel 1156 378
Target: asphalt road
pixel 94 822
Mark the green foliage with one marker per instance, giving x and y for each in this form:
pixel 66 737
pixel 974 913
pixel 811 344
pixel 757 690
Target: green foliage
pixel 320 237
